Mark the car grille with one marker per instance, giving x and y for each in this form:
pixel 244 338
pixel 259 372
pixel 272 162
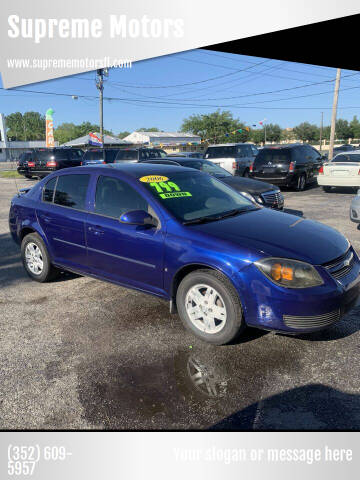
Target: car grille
pixel 274 198
pixel 316 321
pixel 341 266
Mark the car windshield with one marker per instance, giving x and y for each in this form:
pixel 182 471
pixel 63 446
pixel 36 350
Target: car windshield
pixel 196 198
pixel 355 157
pixel 207 167
pixel 221 152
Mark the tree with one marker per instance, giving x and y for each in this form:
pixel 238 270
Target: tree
pixel 69 131
pixel 123 134
pixel 273 132
pixel 343 129
pixel 217 127
pixel 355 128
pixel 307 132
pixel 27 126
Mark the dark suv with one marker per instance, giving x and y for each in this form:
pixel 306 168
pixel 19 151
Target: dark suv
pixel 99 155
pixel 293 165
pixel 40 162
pixel 139 154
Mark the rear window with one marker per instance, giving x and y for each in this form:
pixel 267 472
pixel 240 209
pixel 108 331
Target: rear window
pixel 94 155
pixel 71 191
pixel 346 158
pixel 127 155
pixel 267 155
pixel 221 152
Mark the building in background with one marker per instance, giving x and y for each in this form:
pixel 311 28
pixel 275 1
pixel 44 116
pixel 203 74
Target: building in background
pixel 168 141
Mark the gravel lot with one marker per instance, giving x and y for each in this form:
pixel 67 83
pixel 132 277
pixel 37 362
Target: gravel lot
pixel 82 354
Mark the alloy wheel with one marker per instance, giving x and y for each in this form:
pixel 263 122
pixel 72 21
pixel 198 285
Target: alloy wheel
pixel 34 258
pixel 206 308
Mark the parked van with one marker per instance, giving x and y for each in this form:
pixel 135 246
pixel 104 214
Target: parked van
pixel 236 158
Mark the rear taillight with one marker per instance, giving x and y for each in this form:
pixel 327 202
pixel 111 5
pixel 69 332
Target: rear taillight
pixel 31 164
pixel 251 168
pixel 81 164
pixel 103 161
pixel 359 172
pixel 291 167
pixel 234 165
pixel 321 170
pixel 51 163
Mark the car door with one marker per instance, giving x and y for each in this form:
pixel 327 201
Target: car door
pixel 129 254
pixel 62 214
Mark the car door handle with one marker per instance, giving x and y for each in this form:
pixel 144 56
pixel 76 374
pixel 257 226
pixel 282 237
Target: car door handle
pixel 96 230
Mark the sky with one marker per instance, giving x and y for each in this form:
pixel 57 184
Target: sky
pixel 163 91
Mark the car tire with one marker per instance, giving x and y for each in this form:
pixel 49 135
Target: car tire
pixel 327 189
pixel 222 296
pixel 36 259
pixel 246 173
pixel 301 183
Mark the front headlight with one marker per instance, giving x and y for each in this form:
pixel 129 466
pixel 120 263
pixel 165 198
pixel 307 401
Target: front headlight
pixel 289 273
pixel 252 198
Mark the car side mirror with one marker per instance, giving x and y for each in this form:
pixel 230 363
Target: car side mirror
pixel 137 217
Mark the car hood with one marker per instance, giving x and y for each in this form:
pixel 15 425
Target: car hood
pixel 270 233
pixel 242 184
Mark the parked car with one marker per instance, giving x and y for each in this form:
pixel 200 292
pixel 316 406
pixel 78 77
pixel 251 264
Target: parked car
pixel 295 165
pixel 260 192
pixel 185 236
pixel 236 158
pixel 96 156
pixel 186 154
pixel 45 160
pixel 342 171
pixel 136 154
pixel 22 163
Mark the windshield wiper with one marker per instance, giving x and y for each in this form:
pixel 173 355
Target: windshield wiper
pixel 214 218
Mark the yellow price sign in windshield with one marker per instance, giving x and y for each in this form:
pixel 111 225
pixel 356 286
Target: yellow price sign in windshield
pixel 153 179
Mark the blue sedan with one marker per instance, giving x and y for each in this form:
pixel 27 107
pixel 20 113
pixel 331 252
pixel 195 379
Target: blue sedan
pixel 221 260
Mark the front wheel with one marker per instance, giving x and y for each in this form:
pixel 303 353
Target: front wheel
pixel 36 259
pixel 209 306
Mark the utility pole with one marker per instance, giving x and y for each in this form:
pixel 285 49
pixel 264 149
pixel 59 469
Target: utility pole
pixel 264 133
pixel 321 129
pixel 100 87
pixel 334 112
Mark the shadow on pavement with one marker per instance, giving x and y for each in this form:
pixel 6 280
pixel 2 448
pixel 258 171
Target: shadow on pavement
pixel 311 407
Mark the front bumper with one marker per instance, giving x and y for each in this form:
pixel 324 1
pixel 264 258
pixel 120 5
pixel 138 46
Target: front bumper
pixel 296 311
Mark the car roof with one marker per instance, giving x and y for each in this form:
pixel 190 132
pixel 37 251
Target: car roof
pixel 134 170
pixel 351 152
pixel 229 144
pixel 286 145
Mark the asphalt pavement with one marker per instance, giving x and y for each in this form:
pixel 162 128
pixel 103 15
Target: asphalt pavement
pixel 78 353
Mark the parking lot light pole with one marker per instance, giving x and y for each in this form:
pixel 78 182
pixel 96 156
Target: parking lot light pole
pixel 100 87
pixel 334 112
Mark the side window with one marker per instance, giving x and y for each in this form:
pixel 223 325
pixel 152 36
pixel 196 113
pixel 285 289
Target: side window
pixel 114 197
pixel 240 151
pixel 71 191
pixel 48 190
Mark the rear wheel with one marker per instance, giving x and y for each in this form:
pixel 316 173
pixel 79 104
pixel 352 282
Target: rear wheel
pixel 327 189
pixel 301 183
pixel 246 173
pixel 209 307
pixel 28 176
pixel 36 259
